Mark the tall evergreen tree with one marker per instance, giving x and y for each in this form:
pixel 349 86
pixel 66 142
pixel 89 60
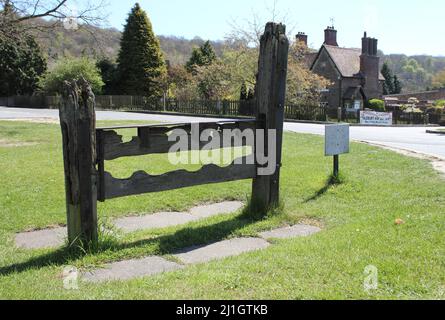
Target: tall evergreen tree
pixel 140 62
pixel 202 56
pixel 388 86
pixel 21 66
pixel 397 85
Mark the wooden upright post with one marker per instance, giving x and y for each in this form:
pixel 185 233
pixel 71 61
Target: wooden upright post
pixel 78 124
pixel 270 94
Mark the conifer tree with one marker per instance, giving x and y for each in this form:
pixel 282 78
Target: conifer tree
pixel 140 62
pixel 21 65
pixel 397 85
pixel 202 56
pixel 388 86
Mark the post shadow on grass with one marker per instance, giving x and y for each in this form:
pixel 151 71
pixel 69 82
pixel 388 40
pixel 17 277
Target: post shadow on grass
pixel 332 181
pixel 167 244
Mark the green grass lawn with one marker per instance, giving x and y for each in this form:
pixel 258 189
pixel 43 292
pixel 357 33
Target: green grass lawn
pixel 358 218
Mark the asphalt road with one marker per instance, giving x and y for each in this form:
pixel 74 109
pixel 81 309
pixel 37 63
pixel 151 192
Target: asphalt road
pixel 408 138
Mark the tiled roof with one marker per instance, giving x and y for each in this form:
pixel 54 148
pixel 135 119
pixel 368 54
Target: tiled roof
pixel 309 59
pixel 347 60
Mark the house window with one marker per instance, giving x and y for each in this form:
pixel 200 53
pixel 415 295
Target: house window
pixel 357 105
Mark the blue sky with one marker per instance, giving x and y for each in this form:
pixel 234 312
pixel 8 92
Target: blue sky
pixel 409 26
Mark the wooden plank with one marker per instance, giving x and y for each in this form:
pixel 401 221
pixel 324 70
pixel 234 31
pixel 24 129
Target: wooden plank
pixel 141 182
pixel 270 94
pixel 78 121
pixel 155 139
pixel 169 125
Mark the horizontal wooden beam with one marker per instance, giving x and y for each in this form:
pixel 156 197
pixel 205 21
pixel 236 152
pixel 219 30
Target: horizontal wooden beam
pixel 155 139
pixel 160 125
pixel 141 182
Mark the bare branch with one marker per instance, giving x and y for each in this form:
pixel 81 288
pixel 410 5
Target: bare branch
pixel 52 12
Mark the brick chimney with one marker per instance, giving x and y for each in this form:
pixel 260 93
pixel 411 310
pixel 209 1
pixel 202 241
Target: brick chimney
pixel 330 36
pixel 302 37
pixel 370 68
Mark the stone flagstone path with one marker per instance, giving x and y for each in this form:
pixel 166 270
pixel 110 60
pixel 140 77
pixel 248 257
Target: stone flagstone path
pixel 222 249
pixel 55 237
pixel 148 266
pixel 130 269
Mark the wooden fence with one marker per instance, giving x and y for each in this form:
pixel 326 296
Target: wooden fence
pixel 217 108
pixel 34 102
pixel 87 148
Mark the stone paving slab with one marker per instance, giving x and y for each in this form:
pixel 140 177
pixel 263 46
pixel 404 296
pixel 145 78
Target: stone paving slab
pixel 221 250
pixel 206 211
pixel 48 238
pixel 131 269
pixel 53 238
pixel 295 231
pixel 154 221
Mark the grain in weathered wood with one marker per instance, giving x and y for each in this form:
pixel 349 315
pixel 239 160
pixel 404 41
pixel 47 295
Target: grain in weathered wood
pixel 141 182
pixel 77 120
pixel 270 98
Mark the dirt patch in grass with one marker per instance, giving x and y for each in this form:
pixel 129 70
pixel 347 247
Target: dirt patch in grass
pixel 312 222
pixel 14 144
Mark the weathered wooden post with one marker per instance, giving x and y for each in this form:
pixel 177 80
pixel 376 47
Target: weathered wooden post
pixel 270 98
pixel 78 124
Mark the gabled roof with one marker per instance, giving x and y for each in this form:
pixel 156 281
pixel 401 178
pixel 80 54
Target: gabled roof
pixel 347 60
pixel 309 59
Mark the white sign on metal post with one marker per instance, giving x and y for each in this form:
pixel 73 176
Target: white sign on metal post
pixel 337 139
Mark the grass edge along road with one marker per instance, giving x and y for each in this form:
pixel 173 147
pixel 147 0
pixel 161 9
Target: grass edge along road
pixel 358 217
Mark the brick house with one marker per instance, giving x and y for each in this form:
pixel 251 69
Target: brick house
pixel 354 73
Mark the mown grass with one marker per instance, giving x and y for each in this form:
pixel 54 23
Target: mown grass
pixel 357 214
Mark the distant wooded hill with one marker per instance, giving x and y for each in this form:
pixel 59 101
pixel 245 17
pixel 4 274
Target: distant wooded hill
pixel 415 72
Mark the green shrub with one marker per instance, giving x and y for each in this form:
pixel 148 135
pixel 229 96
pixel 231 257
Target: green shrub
pixel 377 105
pixel 72 69
pixel 439 103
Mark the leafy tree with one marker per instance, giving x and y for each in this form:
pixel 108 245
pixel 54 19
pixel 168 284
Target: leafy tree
pixel 107 70
pixel 388 86
pixel 140 63
pixel 303 86
pixel 71 69
pixel 202 56
pixel 21 65
pixel 397 85
pixel 439 79
pixel 182 84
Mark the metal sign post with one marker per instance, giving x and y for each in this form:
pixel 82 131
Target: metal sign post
pixel 336 143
